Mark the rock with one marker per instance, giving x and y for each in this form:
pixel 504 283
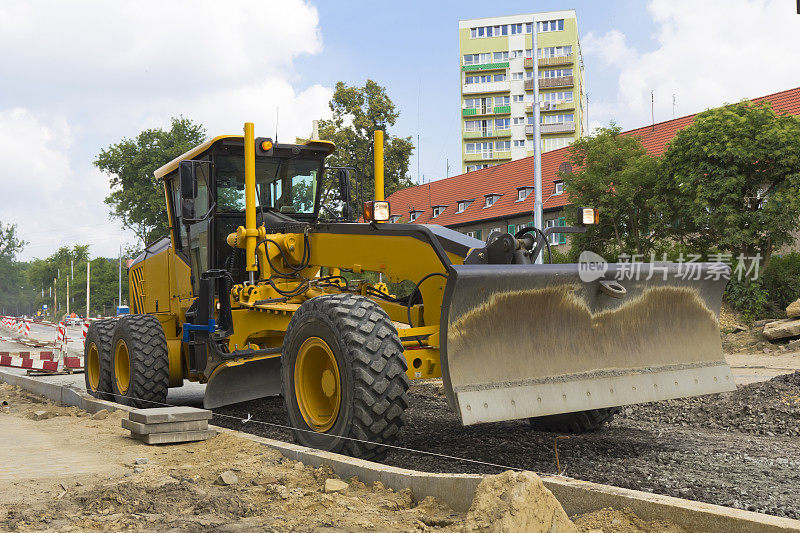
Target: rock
pixel 793 345
pixel 516 501
pixel 766 350
pixel 782 329
pixel 138 470
pixel 335 485
pixel 265 480
pixel 142 460
pixel 226 478
pixel 42 415
pixel 793 310
pixel 102 414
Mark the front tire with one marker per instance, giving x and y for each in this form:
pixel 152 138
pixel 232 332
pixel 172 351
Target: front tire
pixel 578 422
pixel 139 362
pixel 97 358
pixel 343 376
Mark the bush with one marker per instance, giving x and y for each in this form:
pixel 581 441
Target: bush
pixel 748 297
pixel 781 280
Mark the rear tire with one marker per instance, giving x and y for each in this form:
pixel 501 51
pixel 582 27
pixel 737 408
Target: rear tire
pixel 140 362
pixel 97 358
pixel 578 422
pixel 343 374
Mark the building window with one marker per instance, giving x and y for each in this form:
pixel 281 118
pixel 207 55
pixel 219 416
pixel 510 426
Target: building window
pixel 394 219
pixel 491 199
pixel 414 215
pixel 511 229
pixel 438 210
pixel 555 143
pixel 471 234
pixel 463 205
pixel 551 25
pixel 515 54
pixel 515 28
pixel 556 238
pixel 555 73
pixel 502 123
pixel 502 146
pixel 470 168
pixel 528 27
pixel 517 75
pixel 500 77
pixel 558 119
pixel 519 143
pixel 518 98
pixel 523 192
pixel 556 97
pixel 500 57
pixel 519 120
pixel 558 188
pixel 555 51
pixel 495 229
pixel 502 100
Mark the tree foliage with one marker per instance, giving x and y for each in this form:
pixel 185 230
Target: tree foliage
pixel 11 277
pixel 357 113
pixel 615 174
pixel 137 198
pixel 733 178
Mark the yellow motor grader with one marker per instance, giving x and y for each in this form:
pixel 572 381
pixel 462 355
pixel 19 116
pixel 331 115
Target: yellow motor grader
pixel 255 294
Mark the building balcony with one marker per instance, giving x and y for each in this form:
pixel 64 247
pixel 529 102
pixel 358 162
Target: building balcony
pixel 560 127
pixel 491 87
pixel 502 110
pixel 550 106
pixel 485 134
pixel 485 66
pixel 487 156
pixel 479 111
pixel 549 61
pixel 550 83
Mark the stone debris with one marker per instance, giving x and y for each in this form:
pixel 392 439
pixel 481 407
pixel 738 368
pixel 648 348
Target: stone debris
pixel 142 460
pixel 782 329
pixel 227 478
pixel 335 485
pixel 793 310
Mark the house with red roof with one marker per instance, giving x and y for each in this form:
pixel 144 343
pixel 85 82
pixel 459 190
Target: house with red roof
pixel 501 197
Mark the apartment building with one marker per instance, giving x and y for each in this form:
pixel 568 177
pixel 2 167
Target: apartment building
pixel 496 83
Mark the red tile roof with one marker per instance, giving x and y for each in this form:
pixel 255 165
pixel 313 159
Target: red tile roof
pixel 505 179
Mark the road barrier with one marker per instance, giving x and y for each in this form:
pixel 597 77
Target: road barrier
pixel 49 360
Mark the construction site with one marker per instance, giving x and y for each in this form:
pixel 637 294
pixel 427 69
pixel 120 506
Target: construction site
pixel 305 339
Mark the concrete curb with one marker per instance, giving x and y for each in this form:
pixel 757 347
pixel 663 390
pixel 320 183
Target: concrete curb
pixel 458 490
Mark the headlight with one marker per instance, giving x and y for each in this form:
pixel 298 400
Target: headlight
pixel 376 211
pixel 587 216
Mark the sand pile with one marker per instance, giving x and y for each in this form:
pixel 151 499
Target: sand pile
pixel 516 501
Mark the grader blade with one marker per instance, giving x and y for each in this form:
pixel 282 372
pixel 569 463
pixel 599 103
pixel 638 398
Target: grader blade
pixel 524 341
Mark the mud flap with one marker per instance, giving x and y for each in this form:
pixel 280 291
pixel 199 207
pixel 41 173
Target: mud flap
pixel 521 341
pixel 240 381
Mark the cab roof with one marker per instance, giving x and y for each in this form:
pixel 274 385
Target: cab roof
pixel 199 149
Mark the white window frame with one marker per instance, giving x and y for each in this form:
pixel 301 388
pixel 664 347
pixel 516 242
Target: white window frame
pixel 517 98
pixel 394 218
pixel 414 215
pixel 438 210
pixel 519 143
pixel 523 193
pixel 490 200
pixel 558 188
pixel 498 230
pixel 553 237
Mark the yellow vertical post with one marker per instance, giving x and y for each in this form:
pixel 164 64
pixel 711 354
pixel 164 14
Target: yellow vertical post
pixel 251 233
pixel 378 151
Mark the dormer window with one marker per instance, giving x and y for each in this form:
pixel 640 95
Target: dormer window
pixel 491 199
pixel 463 205
pixel 558 187
pixel 438 210
pixel 413 215
pixel 523 192
pixel 394 219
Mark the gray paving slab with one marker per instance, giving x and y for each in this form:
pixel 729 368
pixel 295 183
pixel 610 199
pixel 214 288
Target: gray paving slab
pixel 166 427
pixel 175 436
pixel 160 415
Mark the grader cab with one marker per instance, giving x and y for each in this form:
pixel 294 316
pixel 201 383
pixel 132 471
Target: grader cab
pixel 254 294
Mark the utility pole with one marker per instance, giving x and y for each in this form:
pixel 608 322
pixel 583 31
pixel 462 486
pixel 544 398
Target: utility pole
pixel 119 300
pixel 537 137
pixel 55 299
pixel 652 111
pixel 88 273
pixel 67 295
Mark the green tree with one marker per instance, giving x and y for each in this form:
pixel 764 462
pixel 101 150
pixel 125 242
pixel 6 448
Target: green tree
pixel 137 198
pixel 357 113
pixel 11 271
pixel 615 174
pixel 732 180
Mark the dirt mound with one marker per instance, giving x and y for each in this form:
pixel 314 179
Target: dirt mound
pixel 516 501
pixel 612 521
pixel 766 408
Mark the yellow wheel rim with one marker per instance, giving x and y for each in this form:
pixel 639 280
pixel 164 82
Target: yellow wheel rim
pixel 122 367
pixel 317 384
pixel 93 367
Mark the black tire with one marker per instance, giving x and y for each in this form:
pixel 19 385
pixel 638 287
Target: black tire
pixel 372 372
pixel 578 422
pixel 98 338
pixel 147 366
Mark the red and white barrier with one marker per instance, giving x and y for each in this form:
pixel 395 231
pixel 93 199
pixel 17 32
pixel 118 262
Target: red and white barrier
pixel 32 364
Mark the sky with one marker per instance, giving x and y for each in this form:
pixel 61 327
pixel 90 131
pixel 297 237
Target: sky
pixel 80 75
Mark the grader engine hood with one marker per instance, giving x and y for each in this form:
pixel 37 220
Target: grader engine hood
pixel 523 341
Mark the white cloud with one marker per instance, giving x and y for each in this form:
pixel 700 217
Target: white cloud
pixel 84 74
pixel 708 53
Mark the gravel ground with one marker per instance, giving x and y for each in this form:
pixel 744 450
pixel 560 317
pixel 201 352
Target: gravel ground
pixel 737 449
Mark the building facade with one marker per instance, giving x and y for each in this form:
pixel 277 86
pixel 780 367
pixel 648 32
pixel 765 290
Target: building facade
pixel 496 84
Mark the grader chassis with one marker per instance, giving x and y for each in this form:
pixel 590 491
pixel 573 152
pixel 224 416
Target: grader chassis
pixel 248 295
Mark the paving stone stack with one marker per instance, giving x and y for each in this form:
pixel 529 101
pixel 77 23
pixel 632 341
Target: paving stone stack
pixel 167 425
